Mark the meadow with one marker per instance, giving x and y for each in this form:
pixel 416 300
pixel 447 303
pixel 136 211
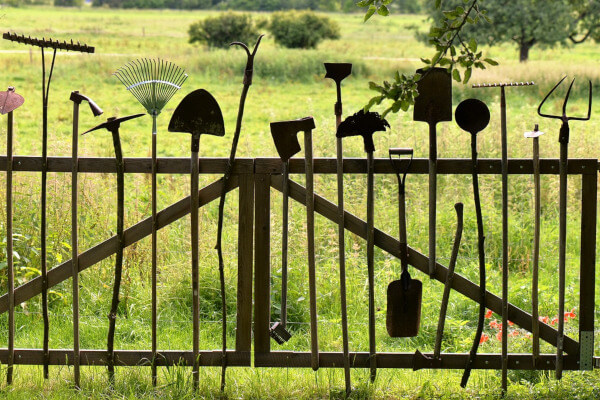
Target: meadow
pixel 288 84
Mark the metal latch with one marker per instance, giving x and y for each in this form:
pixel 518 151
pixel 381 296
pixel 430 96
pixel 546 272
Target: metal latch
pixel 586 353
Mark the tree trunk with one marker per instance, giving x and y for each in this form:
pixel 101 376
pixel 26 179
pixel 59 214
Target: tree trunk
pixel 524 50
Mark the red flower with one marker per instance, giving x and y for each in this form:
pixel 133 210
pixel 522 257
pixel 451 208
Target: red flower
pixel 544 319
pixel 488 314
pixel 484 338
pixel 554 321
pixel 570 315
pixel 494 324
pixel 499 335
pixel 514 333
pixel 510 323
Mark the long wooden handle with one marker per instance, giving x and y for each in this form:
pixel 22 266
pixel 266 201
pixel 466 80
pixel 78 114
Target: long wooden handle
pixel 535 322
pixel 195 278
pixel 370 266
pixel 504 163
pixel 154 252
pixel 284 243
pixel 75 244
pixel 9 250
pixel 562 244
pixel 432 196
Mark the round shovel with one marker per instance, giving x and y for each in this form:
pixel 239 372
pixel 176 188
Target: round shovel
pixel 198 113
pixel 404 296
pixel 473 116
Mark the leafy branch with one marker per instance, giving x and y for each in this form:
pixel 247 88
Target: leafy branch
pixel 457 54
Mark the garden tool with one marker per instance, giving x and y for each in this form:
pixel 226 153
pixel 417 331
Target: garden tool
pixel 278 330
pixel 504 220
pixel 433 105
pixel 473 116
pixel 112 124
pixel 535 322
pixel 365 125
pixel 404 296
pixel 10 101
pixel 198 113
pixel 228 170
pixel 54 45
pixel 563 139
pixel 420 360
pixel 287 145
pixel 76 98
pixel 337 72
pixel 153 83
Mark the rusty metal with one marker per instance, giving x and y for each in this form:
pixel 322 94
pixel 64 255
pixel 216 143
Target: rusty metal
pixel 153 82
pixel 112 124
pixel 247 82
pixel 504 145
pixel 76 98
pixel 338 72
pixel 563 139
pixel 10 101
pixel 473 116
pixel 535 322
pixel 198 113
pixel 54 45
pixel 365 125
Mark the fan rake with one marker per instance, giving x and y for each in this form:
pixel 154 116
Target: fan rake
pixel 153 82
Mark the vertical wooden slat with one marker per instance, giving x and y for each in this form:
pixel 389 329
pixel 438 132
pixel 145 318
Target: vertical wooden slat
pixel 245 253
pixel 587 268
pixel 262 264
pixel 9 251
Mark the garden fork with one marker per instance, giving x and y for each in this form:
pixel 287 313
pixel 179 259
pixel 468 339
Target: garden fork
pixel 563 139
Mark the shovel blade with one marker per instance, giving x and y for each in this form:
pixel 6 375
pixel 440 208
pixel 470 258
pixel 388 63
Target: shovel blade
pixel 10 101
pixel 198 113
pixel 404 308
pixel 337 71
pixel 434 102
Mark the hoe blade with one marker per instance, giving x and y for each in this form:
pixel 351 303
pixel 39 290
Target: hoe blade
pixel 10 101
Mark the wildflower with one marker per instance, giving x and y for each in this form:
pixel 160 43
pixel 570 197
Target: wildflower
pixel 554 321
pixel 544 319
pixel 513 333
pixel 570 314
pixel 488 314
pixel 484 338
pixel 494 324
pixel 510 323
pixel 499 335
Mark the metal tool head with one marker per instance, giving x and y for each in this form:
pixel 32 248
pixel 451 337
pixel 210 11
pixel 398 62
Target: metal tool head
pixel 501 84
pixel 279 333
pixel 534 134
pixel 198 113
pixel 285 135
pixel 10 100
pixel 472 115
pixel 434 102
pixel 48 43
pixel 564 116
pixel 365 125
pixel 77 97
pixel 337 71
pixel 403 316
pixel 113 123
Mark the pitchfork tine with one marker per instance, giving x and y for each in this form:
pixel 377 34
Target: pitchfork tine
pixel 589 114
pixel 546 98
pixel 564 108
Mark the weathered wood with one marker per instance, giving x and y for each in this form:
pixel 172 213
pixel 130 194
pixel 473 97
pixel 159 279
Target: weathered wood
pixel 289 359
pixel 419 261
pixel 166 165
pixel 75 241
pixel 243 335
pixel 108 247
pixel 128 357
pixel 420 166
pixel 9 249
pixel 262 262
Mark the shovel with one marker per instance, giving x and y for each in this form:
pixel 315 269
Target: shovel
pixel 198 113
pixel 403 315
pixel 473 116
pixel 433 105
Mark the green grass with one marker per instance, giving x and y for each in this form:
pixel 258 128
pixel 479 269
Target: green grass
pixel 288 84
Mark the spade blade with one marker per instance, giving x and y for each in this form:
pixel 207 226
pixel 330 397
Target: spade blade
pixel 198 113
pixel 434 102
pixel 337 71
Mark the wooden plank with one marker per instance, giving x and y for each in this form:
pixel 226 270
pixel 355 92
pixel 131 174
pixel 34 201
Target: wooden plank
pixel 587 267
pixel 166 165
pixel 243 335
pixel 420 166
pixel 109 247
pixel 262 263
pixel 128 357
pixel 289 359
pixel 420 261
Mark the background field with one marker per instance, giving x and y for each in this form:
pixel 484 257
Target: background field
pixel 288 84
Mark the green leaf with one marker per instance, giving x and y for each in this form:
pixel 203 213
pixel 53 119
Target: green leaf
pixel 438 3
pixel 383 10
pixel 370 13
pixel 386 2
pixel 467 75
pixel 473 45
pixel 456 75
pixel 425 61
pixel 452 51
pixel 364 3
pixel 491 62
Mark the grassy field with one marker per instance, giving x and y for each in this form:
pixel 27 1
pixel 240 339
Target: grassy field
pixel 288 84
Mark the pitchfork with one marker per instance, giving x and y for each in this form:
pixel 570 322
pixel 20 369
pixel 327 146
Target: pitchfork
pixel 563 139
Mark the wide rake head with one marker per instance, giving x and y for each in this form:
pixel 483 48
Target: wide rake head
pixel 152 82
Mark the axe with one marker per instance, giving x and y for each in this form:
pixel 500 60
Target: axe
pixel 365 125
pixel 285 136
pixel 112 124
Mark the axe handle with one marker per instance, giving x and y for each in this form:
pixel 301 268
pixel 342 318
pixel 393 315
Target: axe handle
pixel 370 266
pixel 195 277
pixel 284 243
pixel 310 236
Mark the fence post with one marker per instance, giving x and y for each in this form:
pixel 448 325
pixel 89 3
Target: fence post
pixel 245 254
pixel 262 263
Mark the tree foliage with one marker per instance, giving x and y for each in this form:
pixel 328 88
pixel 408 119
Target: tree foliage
pixel 249 5
pixel 301 29
pixel 68 3
pixel 221 30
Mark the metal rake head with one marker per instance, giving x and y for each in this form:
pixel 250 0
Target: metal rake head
pixel 564 116
pixel 152 82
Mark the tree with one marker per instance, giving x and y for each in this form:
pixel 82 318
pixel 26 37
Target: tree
pixel 221 30
pixel 68 3
pixel 528 23
pixel 302 29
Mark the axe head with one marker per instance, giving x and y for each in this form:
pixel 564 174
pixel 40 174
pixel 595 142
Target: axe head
pixel 10 101
pixel 363 124
pixel 77 97
pixel 285 135
pixel 112 124
pixel 198 113
pixel 337 71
